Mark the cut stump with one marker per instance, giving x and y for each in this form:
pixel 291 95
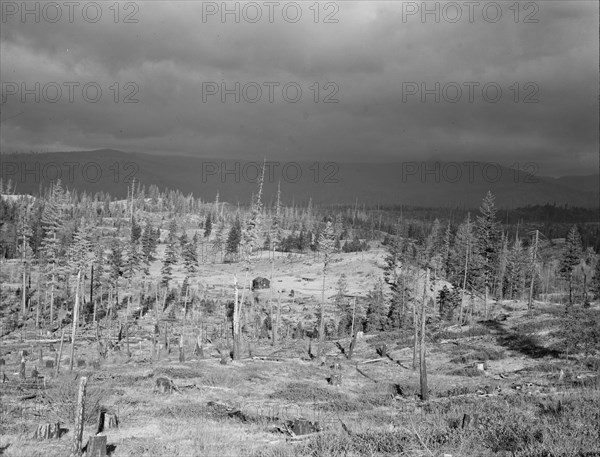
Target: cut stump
pixel 47 432
pixel 96 446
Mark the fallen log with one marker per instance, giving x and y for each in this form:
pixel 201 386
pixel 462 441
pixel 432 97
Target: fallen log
pixel 366 375
pixel 373 361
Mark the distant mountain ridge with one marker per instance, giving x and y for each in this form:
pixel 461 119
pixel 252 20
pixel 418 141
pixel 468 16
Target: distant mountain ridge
pixel 418 183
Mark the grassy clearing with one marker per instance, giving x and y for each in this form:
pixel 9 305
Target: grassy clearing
pixel 235 409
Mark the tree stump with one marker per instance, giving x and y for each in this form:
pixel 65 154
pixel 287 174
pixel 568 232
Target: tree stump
pixel 164 385
pixel 469 420
pixel 47 432
pixel 80 363
pixel 303 426
pixel 96 446
pixel 49 363
pixel 335 379
pixel 106 420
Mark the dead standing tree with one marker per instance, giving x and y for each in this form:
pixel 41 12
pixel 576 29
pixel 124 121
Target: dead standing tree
pixel 75 320
pixel 250 242
pixel 422 364
pixel 326 247
pixel 79 418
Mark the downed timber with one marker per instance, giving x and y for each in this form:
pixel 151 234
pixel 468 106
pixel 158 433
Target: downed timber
pixel 365 374
pixel 303 437
pixel 268 359
pixel 373 361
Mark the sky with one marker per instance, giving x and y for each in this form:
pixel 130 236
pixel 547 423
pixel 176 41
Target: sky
pixel 364 81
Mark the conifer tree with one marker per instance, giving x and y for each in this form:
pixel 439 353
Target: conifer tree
pixel 234 237
pixel 595 283
pixel 136 230
pixel 208 225
pixel 487 243
pixel 170 259
pixel 52 226
pixel 81 250
pixel 446 253
pixel 148 248
pixel 376 312
pixel 115 266
pixel 275 233
pixel 571 257
pixel 190 256
pixel 217 244
pixel 515 271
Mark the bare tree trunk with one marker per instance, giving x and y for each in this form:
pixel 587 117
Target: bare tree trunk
pixel 78 432
pixel 585 292
pixel 278 320
pixel 95 310
pixel 322 323
pixel 167 348
pixel 423 364
pixel 415 331
pixel 24 285
pixel 570 289
pixel 403 300
pixel 37 315
pixel 273 325
pixel 181 352
pixel 52 299
pixel 127 326
pixel 530 304
pixel 485 303
pixel 75 320
pixel 353 317
pixel 236 322
pixel 416 336
pixel 92 288
pixel 464 287
pixel 59 355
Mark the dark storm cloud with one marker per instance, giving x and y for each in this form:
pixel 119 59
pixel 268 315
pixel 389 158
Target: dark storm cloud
pixel 368 54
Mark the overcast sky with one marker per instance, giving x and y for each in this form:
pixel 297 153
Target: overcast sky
pixel 375 57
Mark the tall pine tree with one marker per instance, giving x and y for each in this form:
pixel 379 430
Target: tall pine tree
pixel 170 259
pixel 571 257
